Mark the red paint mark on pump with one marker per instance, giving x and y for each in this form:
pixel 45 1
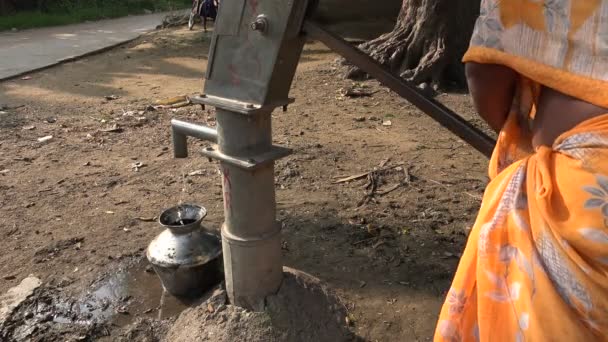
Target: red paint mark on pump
pixel 226 173
pixel 227 190
pixel 254 6
pixel 234 76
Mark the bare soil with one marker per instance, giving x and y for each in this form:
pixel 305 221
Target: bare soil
pixel 303 309
pixel 75 208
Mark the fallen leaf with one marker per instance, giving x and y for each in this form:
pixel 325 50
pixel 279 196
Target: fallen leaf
pixel 136 166
pixel 172 100
pixel 147 219
pixel 356 91
pixel 45 139
pixel 378 244
pixel 384 162
pixel 350 319
pixel 197 173
pixel 112 129
pixel 122 310
pixel 181 104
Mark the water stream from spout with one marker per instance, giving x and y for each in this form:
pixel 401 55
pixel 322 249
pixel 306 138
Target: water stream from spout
pixel 184 188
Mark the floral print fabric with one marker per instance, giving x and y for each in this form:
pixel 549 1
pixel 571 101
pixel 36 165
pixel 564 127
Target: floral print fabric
pixel 536 264
pixel 571 35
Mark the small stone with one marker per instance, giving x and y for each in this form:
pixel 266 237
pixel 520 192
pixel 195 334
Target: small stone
pixel 122 310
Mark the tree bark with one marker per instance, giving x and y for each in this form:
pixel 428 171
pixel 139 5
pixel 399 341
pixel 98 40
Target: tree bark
pixel 427 43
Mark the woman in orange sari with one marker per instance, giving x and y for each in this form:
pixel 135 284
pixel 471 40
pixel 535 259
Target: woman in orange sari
pixel 535 267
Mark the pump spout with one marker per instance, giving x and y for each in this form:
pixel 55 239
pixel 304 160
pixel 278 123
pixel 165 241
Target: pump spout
pixel 181 130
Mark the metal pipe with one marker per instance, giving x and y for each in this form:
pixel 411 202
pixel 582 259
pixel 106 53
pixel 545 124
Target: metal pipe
pixel 251 236
pixel 436 110
pixel 181 130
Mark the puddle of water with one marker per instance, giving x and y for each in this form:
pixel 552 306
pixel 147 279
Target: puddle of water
pixel 132 292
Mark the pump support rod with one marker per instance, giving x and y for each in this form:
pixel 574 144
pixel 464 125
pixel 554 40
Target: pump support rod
pixel 437 111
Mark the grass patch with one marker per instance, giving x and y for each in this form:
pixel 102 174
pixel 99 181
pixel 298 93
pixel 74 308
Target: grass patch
pixel 80 12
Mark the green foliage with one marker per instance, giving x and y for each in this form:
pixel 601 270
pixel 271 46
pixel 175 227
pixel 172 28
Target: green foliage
pixel 40 13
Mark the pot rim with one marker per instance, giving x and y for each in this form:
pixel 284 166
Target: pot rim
pixel 164 218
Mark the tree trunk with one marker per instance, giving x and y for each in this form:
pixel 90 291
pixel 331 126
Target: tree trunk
pixel 427 43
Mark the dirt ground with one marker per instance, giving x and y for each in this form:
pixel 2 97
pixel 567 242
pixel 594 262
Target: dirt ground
pixel 74 208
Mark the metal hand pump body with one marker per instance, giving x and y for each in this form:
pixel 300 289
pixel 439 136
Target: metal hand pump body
pixel 254 53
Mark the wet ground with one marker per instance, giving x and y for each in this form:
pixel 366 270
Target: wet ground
pixel 114 301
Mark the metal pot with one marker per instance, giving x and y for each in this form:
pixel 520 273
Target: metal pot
pixel 185 257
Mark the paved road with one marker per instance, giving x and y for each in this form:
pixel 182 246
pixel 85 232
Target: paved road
pixel 27 50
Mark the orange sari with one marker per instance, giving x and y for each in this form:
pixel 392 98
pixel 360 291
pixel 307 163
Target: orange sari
pixel 535 267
